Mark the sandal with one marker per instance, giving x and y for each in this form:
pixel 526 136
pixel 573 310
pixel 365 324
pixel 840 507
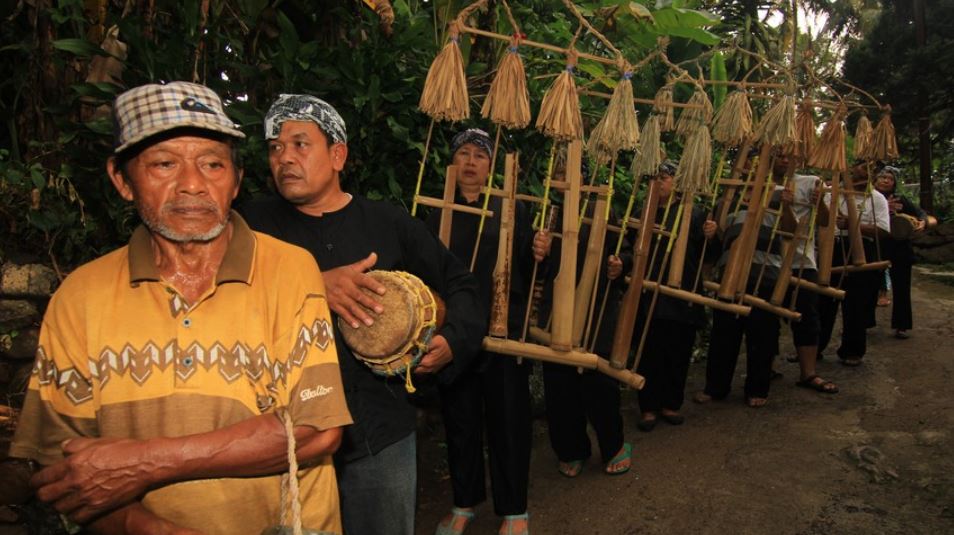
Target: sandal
pixel 901 334
pixel 570 469
pixel 448 528
pixel 851 362
pixel 509 522
pixel 647 424
pixel 816 383
pixel 701 398
pixel 622 458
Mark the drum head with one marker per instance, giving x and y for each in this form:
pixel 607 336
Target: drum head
pixel 902 226
pixel 392 329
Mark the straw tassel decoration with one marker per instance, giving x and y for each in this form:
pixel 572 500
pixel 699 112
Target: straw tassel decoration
pixel 663 104
pixel 778 125
pixel 884 144
pixel 692 175
pixel 733 122
pixel 508 102
pixel 692 118
pixel 445 89
pixel 618 129
pixel 863 134
pixel 830 153
pixel 804 144
pixel 650 154
pixel 559 116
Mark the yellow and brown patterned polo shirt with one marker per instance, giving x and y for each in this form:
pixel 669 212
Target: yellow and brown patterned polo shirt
pixel 122 355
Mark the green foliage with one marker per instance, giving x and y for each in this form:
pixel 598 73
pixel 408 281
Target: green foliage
pixel 56 202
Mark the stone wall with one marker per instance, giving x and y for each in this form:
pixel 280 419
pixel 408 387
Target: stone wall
pixel 24 292
pixel 936 245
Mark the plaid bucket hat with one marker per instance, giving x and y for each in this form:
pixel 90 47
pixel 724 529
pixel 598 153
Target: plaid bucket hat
pixel 151 109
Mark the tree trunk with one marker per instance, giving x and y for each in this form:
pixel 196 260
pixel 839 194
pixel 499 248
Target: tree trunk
pixel 924 124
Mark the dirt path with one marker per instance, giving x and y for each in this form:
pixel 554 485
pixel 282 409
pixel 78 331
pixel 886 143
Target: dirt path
pixel 876 458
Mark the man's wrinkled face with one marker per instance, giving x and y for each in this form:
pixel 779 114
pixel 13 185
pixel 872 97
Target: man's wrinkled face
pixel 304 166
pixel 183 187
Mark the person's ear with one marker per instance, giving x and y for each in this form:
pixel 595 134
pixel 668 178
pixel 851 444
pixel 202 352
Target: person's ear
pixel 119 181
pixel 339 155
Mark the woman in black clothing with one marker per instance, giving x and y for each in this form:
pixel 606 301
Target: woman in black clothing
pixel 899 252
pixel 494 395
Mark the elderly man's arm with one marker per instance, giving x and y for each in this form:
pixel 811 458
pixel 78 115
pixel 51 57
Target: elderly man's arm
pixel 99 475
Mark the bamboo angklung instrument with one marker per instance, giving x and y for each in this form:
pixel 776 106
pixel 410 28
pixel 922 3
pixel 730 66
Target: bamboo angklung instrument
pixel 626 323
pixel 742 156
pixel 729 287
pixel 536 285
pixel 856 247
pixel 501 277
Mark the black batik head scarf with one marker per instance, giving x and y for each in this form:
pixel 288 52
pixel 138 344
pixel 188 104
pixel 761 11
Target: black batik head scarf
pixel 473 135
pixel 305 108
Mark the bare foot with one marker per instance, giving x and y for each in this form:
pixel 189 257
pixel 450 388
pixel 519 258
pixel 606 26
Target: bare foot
pixel 755 403
pixel 701 397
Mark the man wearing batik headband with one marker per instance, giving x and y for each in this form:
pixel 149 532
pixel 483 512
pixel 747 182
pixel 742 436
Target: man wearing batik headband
pixel 348 235
pixel 165 369
pixel 494 395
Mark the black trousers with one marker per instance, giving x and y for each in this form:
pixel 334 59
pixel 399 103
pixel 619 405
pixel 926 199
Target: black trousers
pixel 497 398
pixel 857 308
pixel 761 331
pixel 572 399
pixel 805 332
pixel 900 272
pixel 665 364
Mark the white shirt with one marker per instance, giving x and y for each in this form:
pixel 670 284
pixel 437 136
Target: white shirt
pixel 872 209
pixel 804 186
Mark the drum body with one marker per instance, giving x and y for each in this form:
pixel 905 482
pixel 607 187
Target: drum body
pixel 399 336
pixel 903 226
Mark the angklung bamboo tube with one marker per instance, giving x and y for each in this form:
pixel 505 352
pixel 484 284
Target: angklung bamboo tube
pixel 872 266
pixel 750 246
pixel 564 285
pixel 737 167
pixel 501 296
pixel 578 359
pixel 447 212
pixel 826 237
pixel 678 258
pixel 626 323
pixel 789 250
pixel 758 302
pixel 730 284
pixel 591 266
pixel 857 250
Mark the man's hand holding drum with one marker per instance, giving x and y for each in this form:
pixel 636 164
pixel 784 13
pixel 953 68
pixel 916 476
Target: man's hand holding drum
pixel 345 298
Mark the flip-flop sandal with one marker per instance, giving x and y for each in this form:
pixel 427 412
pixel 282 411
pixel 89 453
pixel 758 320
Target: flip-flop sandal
pixel 455 514
pixel 570 469
pixel 625 454
pixel 509 524
pixel 821 385
pixel 851 362
pixel 756 403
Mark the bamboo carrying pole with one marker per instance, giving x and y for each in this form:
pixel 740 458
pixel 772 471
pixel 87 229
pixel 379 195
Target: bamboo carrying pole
pixel 564 286
pixel 623 335
pixel 826 237
pixel 447 211
pixel 501 278
pixel 578 359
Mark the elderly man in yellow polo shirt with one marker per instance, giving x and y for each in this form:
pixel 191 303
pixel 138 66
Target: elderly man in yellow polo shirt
pixel 169 370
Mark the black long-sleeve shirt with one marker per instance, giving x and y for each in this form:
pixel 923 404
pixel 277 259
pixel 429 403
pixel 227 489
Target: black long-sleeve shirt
pixel 463 234
pixel 380 406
